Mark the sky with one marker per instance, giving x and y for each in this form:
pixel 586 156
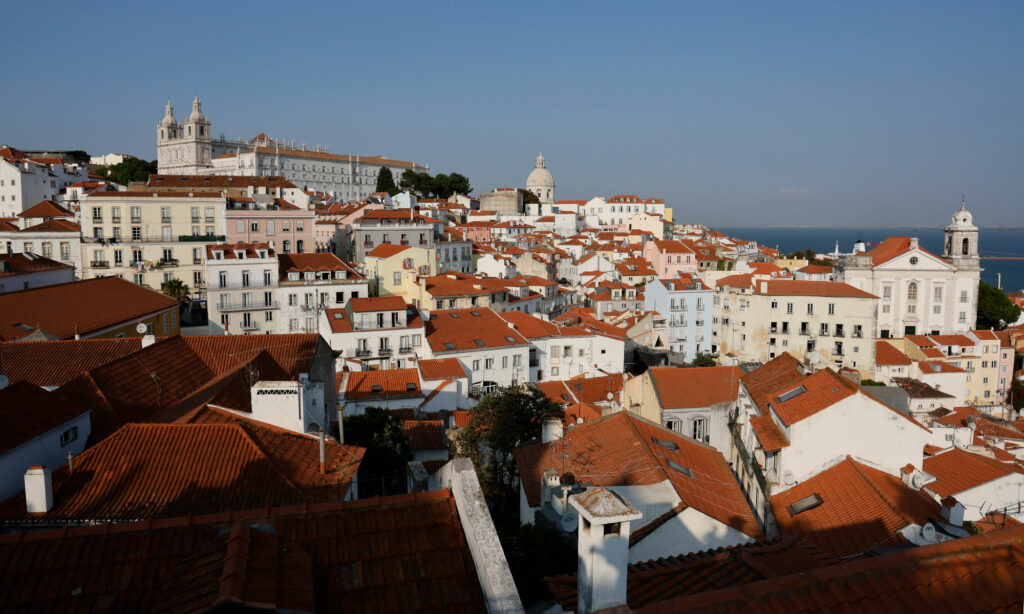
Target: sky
pixel 815 113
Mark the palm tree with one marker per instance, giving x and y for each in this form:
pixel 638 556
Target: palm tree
pixel 175 288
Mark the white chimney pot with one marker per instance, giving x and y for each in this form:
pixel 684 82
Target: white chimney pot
pixel 38 490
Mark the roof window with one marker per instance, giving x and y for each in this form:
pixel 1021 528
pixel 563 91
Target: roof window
pixel 668 445
pixel 510 339
pixel 681 469
pixel 449 346
pixel 410 387
pixel 454 315
pixel 474 314
pixel 802 505
pixel 375 388
pixel 339 316
pixel 792 394
pixel 479 342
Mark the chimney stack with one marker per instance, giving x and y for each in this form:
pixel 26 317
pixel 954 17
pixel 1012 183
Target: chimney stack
pixel 953 511
pixel 602 548
pixel 551 430
pixel 323 452
pixel 38 490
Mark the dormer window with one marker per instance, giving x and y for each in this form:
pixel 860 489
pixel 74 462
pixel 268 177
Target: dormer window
pixel 293 277
pixel 218 255
pixel 263 253
pixel 240 254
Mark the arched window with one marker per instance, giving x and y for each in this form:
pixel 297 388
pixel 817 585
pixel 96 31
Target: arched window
pixel 189 130
pixel 161 134
pixel 966 250
pixel 912 291
pixel 200 130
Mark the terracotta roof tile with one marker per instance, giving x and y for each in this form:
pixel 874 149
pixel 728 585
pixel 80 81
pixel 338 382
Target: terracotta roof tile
pixel 82 307
pixel 313 262
pixel 54 225
pixel 679 387
pixel 377 303
pixel 975 574
pixel 28 411
pixel 768 433
pixel 469 329
pixel 780 372
pixel 795 287
pixel 861 508
pixel 294 353
pixel 53 363
pixel 46 208
pixel 168 470
pixel 381 384
pixel 426 434
pixel 441 368
pixel 618 450
pixel 886 354
pixel 813 394
pixel 386 250
pixel 957 470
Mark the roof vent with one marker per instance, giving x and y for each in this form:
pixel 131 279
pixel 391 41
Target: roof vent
pixel 802 505
pixel 668 445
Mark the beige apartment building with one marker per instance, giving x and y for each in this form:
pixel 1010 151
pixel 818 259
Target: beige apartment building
pixel 151 237
pixel 827 324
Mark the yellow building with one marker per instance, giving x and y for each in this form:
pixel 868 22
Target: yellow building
pixel 391 269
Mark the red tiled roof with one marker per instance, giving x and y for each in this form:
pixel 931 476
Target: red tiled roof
pixel 168 470
pixel 19 263
pixel 313 262
pixel 218 181
pixel 82 307
pixel 377 303
pixel 460 329
pixel 679 387
pixel 957 340
pixel 821 390
pixel 52 363
pixel 862 508
pixel 425 434
pixel 382 384
pixel 984 425
pixel 666 578
pixel 778 373
pixel 46 208
pixel 407 552
pixel 796 287
pixel 293 352
pixel 386 250
pixel 957 470
pixel 672 247
pixel 982 573
pixel 768 433
pixel 618 450
pixel 736 281
pixel 54 225
pixel 886 354
pixel 441 368
pixel 815 269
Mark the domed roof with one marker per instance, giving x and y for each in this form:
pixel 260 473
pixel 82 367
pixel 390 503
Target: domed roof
pixel 540 177
pixel 197 111
pixel 168 119
pixel 963 218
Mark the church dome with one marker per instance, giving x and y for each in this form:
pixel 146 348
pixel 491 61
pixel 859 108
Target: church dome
pixel 168 120
pixel 540 177
pixel 963 218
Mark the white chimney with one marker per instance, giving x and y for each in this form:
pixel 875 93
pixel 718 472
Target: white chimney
pixel 551 430
pixel 953 511
pixel 38 490
pixel 602 547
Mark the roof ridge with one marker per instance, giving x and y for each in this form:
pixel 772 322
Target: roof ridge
pixel 244 428
pixel 885 498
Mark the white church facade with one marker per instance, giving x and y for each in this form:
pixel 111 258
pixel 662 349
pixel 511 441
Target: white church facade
pixel 189 148
pixel 921 293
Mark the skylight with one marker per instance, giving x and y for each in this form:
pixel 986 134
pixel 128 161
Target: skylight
pixel 479 342
pixel 409 386
pixel 668 445
pixel 375 388
pixel 792 394
pixel 474 314
pixel 681 469
pixel 449 346
pixel 802 505
pixel 339 316
pixel 510 339
pixel 454 315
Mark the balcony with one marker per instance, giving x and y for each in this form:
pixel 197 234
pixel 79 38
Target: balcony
pixel 405 350
pixel 165 220
pixel 203 238
pixel 168 262
pixel 384 352
pixel 99 264
pixel 197 261
pixel 246 306
pixel 136 220
pixel 857 334
pixel 250 327
pixel 363 353
pixel 195 220
pixel 236 285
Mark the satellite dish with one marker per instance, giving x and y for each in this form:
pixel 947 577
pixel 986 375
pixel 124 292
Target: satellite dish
pixel 787 477
pixel 917 480
pixel 141 328
pixel 928 531
pixel 570 522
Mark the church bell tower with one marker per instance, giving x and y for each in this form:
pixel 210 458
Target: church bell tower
pixel 962 240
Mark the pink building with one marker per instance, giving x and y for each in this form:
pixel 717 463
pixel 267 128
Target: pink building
pixel 287 228
pixel 670 257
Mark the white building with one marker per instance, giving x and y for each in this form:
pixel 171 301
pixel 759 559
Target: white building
pixel 560 352
pixel 920 292
pixel 25 181
pixel 381 332
pixel 541 182
pixel 688 305
pixel 490 350
pixel 189 148
pixel 56 238
pixel 242 292
pixel 311 283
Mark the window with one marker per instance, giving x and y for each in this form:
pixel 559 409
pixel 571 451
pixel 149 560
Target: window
pixel 831 309
pixel 68 436
pixel 65 250
pixel 398 278
pixel 700 429
pixel 116 214
pixel 476 365
pixel 117 257
pixel 963 317
pixel 254 226
pixel 48 249
pixel 165 214
pixel 166 233
pixel 789 307
pixel 810 309
pixel 287 247
pixel 97 214
pixel 554 370
pixel 938 294
pixel 912 291
pixel 963 296
pixel 775 304
pixel 807 503
pixel 488 363
pixel 136 214
pixel 269 316
pixel 824 329
pixel 517 360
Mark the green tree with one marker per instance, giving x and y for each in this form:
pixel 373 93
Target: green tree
pixel 1015 395
pixel 131 170
pixel 441 186
pixel 176 289
pixel 703 360
pixel 386 182
pixel 500 422
pixel 388 449
pixel 995 309
pixel 459 184
pixel 529 197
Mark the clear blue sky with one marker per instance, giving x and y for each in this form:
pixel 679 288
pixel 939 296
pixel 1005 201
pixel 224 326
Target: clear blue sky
pixel 735 114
